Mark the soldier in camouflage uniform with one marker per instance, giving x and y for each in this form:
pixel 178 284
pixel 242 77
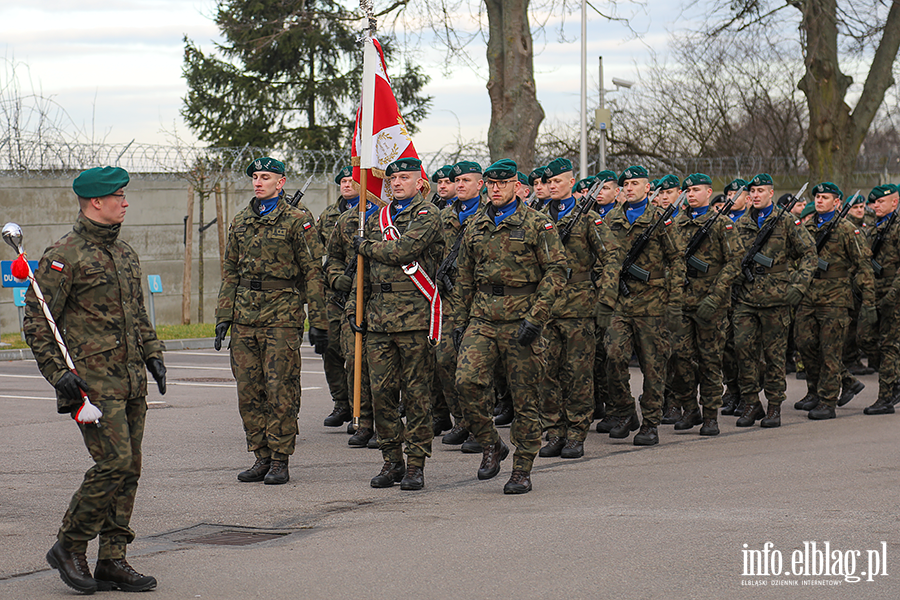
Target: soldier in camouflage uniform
pixel 541 192
pixel 859 338
pixel 511 268
pixel 445 191
pixel 640 319
pixel 398 321
pixel 732 396
pixel 885 260
pixel 824 313
pixel 91 281
pixel 273 266
pixel 699 337
pixel 333 359
pixel 593 263
pixel 763 311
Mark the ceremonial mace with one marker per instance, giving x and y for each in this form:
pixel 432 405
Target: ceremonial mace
pixel 12 234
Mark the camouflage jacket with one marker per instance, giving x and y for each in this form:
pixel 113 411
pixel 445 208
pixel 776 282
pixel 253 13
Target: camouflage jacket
pixel 420 240
pixel 325 226
pixel 662 257
pixel 848 263
pixel 452 229
pixel 592 254
pixel 793 252
pixel 340 254
pixel 282 246
pixel 721 249
pixel 524 249
pixel 888 257
pixel 91 281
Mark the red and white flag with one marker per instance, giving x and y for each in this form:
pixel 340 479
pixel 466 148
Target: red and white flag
pixel 381 136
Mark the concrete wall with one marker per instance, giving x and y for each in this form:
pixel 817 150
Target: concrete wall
pixel 154 226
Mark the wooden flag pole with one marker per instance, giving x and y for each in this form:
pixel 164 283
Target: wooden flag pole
pixel 360 264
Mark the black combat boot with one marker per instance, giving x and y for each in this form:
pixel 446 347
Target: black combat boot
pixel 647 436
pixel 821 412
pixel 519 482
pixel 883 406
pixel 257 472
pixel 118 574
pixel 278 473
pixel 442 424
pixel 607 423
pixel 361 438
pixel 672 415
pixel 339 416
pixel 730 401
pixel 490 461
pixel 414 478
pixel 506 415
pixel 689 420
pixel 73 568
pixel 773 416
pixel 624 426
pixel 808 402
pixel 554 446
pixel 391 473
pixel 456 436
pixel 471 446
pixel 710 426
pixel 751 414
pixel 572 449
pixel 849 389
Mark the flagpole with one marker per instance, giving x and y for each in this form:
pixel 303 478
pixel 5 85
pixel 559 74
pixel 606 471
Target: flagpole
pixel 367 105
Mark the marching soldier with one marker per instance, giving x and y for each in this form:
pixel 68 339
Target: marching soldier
pixel 273 266
pixel 763 311
pixel 824 313
pixel 444 191
pixel 732 396
pixel 511 268
pixel 541 193
pixel 403 319
pixel 524 189
pixel 606 202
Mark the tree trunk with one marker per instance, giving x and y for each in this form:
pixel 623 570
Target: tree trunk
pixel 188 259
pixel 516 114
pixel 835 133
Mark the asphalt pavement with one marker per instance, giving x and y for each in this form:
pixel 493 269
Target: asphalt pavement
pixel 689 518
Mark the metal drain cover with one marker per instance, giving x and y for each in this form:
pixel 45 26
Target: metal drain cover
pixel 235 538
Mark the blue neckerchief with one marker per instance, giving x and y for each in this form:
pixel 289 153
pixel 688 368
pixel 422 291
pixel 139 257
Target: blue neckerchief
pixel 634 211
pixel 467 208
pixel 267 206
pixel 763 215
pixel 823 218
pixel 564 207
pixel 883 219
pixel 351 203
pixel 605 208
pixel 371 208
pixel 699 211
pixel 504 211
pixel 675 214
pixel 734 215
pixel 399 205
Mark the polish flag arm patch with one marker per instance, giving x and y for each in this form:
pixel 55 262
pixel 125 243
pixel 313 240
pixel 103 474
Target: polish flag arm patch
pixel 307 225
pixel 548 226
pixel 57 266
pixel 424 211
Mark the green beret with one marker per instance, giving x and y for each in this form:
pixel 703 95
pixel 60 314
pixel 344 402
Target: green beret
pixel 604 176
pixel 584 184
pixel 442 173
pixel 463 167
pixel 345 172
pixel 535 175
pixel 826 187
pixel 761 179
pixel 265 164
pixel 735 186
pixel 654 183
pixel 881 191
pixel 555 167
pixel 99 182
pixel 696 179
pixel 669 182
pixel 403 165
pixel 502 169
pixel 523 178
pixel 635 172
pixel 809 209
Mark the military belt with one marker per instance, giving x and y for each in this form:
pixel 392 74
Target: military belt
pixel 711 272
pixel 835 274
pixel 761 270
pixel 272 284
pixel 578 277
pixel 387 287
pixel 505 290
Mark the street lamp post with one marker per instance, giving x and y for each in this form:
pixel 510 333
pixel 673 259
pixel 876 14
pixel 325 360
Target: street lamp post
pixel 602 114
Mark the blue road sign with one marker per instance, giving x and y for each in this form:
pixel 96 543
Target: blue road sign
pixel 10 281
pixel 19 296
pixel 155 283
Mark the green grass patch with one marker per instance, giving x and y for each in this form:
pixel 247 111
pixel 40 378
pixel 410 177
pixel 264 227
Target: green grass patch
pixel 185 332
pixel 14 340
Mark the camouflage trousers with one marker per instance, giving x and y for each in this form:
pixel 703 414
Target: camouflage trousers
pixel 402 361
pixel 820 333
pixel 697 362
pixel 761 332
pixel 648 337
pixel 348 348
pixel 888 337
pixel 333 359
pixel 104 502
pixel 568 412
pixel 729 357
pixel 445 370
pixel 266 364
pixel 486 345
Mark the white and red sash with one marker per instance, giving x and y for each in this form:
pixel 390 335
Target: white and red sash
pixel 418 276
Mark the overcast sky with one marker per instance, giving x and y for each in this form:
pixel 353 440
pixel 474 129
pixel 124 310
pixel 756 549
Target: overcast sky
pixel 116 67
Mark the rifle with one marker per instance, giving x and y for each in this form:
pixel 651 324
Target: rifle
pixel 295 199
pixel 586 203
pixel 534 202
pixel 628 266
pixel 697 239
pixel 754 254
pixel 438 201
pixel 879 242
pixel 449 262
pixel 825 233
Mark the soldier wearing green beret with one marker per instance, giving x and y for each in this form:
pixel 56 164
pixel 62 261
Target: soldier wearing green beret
pixel 884 240
pixel 272 267
pixel 541 193
pixel 669 189
pixel 762 314
pixel 639 322
pixel 524 189
pixel 593 261
pixel 860 339
pixel 732 396
pixel 511 268
pixel 91 281
pixel 699 336
pixel 403 244
pixel 445 191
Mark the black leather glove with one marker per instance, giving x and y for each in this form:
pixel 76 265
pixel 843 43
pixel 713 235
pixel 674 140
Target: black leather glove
pixel 158 370
pixel 343 283
pixel 70 386
pixel 458 333
pixel 528 332
pixel 351 319
pixel 221 330
pixel 319 339
pixel 358 243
